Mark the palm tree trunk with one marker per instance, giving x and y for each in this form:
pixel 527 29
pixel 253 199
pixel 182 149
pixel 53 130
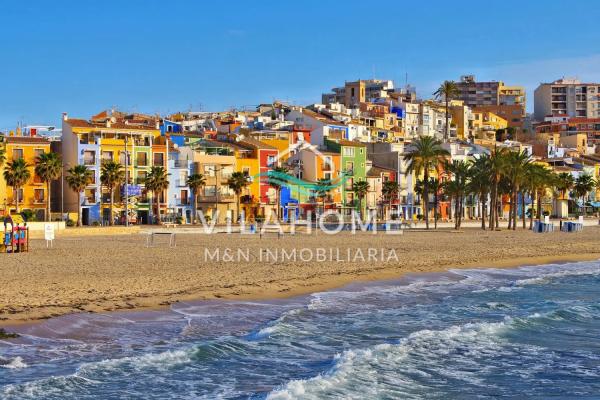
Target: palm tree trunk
pixel 523 209
pixel 435 210
pixel 238 207
pixel 483 210
pixel 156 201
pixel 48 217
pixel 533 200
pixel 447 135
pixel 17 199
pixel 111 222
pixel 493 204
pixel 79 209
pixel 539 206
pixel 194 211
pixel 426 197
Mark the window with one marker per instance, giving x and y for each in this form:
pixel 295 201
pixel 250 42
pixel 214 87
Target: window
pixel 350 167
pixel 89 157
pixel 141 177
pixel 142 159
pixel 209 170
pixel 17 153
pixel 246 171
pixel 38 152
pixel 18 194
pixel 38 195
pixel 107 155
pixel 122 158
pixel 184 197
pixel 210 191
pixel 159 159
pixel 226 172
pixel 348 151
pixel 270 161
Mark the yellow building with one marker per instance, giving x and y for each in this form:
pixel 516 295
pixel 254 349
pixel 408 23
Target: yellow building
pixel 33 196
pixel 486 123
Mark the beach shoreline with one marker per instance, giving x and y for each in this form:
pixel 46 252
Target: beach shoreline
pixel 101 285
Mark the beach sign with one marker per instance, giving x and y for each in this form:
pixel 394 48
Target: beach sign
pixel 546 219
pixel 49 234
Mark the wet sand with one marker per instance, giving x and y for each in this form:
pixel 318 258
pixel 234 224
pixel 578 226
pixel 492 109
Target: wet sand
pixel 99 273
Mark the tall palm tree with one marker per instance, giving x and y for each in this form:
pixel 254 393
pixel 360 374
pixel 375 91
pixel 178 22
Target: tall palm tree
pixel 112 175
pixel 237 182
pixel 360 188
pixel 390 190
pixel 78 177
pixel 16 174
pixel 479 183
pixel 583 185
pixel 516 166
pixel 426 156
pixel 322 189
pixel 457 187
pixel 276 177
pixel 195 182
pixel 48 166
pixel 157 181
pixel 447 91
pixel 540 179
pixel 497 165
pixel 435 185
pixel 563 183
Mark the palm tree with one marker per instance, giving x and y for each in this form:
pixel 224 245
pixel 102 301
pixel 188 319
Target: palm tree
pixel 195 183
pixel 447 91
pixel 323 186
pixel 538 179
pixel 497 165
pixel 390 190
pixel 237 182
pixel 516 166
pixel 583 185
pixel 111 175
pixel 425 157
pixel 435 185
pixel 276 179
pixel 479 182
pixel 157 181
pixel 48 166
pixel 360 188
pixel 16 174
pixel 457 187
pixel 78 177
pixel 563 183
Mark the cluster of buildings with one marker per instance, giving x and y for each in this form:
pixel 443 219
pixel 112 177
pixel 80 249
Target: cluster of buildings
pixel 360 131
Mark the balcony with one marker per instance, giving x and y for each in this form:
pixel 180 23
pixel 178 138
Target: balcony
pixel 181 182
pixel 326 167
pixel 180 163
pixel 89 161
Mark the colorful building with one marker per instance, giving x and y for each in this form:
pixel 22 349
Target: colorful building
pixel 353 158
pixel 133 142
pixel 33 195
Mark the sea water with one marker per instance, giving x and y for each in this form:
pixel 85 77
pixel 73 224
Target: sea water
pixel 531 332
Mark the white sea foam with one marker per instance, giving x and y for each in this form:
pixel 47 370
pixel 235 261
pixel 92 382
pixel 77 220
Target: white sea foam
pixel 15 363
pixel 357 373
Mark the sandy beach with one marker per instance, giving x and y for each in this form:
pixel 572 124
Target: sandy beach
pixel 100 273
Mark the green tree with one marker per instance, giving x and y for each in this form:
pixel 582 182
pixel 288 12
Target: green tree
pixel 360 188
pixel 583 185
pixel 564 183
pixel 78 177
pixel 323 187
pixel 16 174
pixel 48 166
pixel 237 182
pixel 479 183
pixel 426 155
pixel 112 175
pixel 157 181
pixel 516 167
pixel 195 182
pixel 447 91
pixel 390 190
pixel 457 187
pixel 276 178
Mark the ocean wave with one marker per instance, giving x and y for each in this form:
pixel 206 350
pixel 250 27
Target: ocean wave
pixel 357 373
pixel 15 363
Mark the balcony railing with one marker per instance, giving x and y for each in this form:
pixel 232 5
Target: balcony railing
pixel 89 161
pixel 180 163
pixel 181 182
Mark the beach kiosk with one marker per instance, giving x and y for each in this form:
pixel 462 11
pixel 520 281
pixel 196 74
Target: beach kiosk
pixel 16 234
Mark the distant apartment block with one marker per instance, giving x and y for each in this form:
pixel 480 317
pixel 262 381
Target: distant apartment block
pixel 354 93
pixel 508 102
pixel 569 97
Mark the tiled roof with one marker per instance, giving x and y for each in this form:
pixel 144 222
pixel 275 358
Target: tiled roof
pixel 26 140
pixel 345 142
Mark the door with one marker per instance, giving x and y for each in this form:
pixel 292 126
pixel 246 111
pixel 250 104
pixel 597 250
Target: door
pixel 85 216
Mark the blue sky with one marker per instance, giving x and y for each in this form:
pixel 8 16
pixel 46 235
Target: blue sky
pixel 155 56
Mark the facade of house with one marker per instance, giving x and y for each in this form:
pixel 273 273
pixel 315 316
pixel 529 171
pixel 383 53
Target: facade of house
pixel 33 195
pixel 567 96
pixel 134 144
